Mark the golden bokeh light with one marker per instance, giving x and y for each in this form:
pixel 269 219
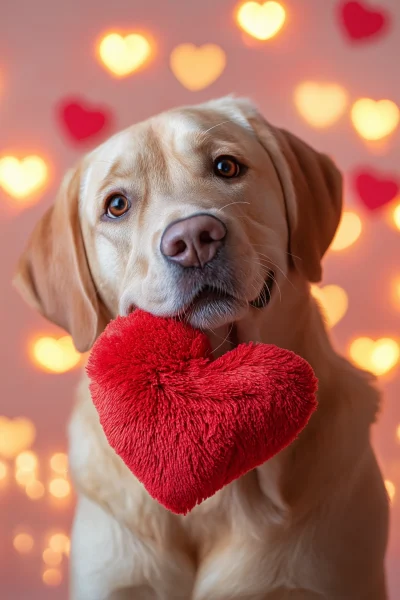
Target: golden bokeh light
pixel 55 355
pixel 59 488
pixel 16 435
pixel 60 542
pixel 398 433
pixel 52 558
pixel 124 55
pixel 379 356
pixel 52 577
pixel 391 489
pixel 333 300
pixel 23 543
pixel 396 291
pixel 197 67
pixel 59 462
pixel 26 461
pixel 321 105
pixel 374 120
pixel 395 214
pixel 26 464
pixel 24 478
pixel 348 232
pixel 261 21
pixel 34 490
pixel 22 178
pixel 3 470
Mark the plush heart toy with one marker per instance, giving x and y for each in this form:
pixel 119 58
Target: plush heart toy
pixel 187 425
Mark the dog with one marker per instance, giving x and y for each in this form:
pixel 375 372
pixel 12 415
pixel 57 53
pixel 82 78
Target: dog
pixel 213 214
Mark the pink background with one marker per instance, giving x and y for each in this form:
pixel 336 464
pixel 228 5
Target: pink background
pixel 47 53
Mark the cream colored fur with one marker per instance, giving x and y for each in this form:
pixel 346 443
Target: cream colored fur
pixel 310 524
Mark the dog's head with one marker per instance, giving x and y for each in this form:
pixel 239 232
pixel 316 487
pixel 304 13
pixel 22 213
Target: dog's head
pixel 197 212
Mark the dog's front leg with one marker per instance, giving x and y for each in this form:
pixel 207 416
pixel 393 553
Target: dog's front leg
pixel 109 562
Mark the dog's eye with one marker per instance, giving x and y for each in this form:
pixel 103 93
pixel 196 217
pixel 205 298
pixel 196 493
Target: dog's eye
pixel 227 166
pixel 116 206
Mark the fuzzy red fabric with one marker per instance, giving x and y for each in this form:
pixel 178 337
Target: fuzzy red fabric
pixel 186 425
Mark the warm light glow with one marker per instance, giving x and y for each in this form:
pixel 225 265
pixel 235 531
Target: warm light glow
pixel 385 355
pixel 398 432
pixel 3 470
pixel 52 558
pixel 375 120
pixel 59 542
pixel 55 356
pixel 124 55
pixel 34 490
pixel 333 300
pixel 23 543
pixel 391 489
pixel 261 21
pixel 59 463
pixel 26 464
pixel 396 215
pixel 59 488
pixel 26 461
pixel 16 435
pixel 52 577
pixel 396 292
pixel 319 104
pixel 22 178
pixel 24 477
pixel 378 356
pixel 197 67
pixel 348 231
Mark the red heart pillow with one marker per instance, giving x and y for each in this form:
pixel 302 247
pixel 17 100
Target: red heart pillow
pixel 186 425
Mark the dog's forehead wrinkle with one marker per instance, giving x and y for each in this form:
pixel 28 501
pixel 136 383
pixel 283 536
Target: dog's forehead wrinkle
pixel 102 161
pixel 152 151
pixel 141 143
pixel 194 121
pixel 184 142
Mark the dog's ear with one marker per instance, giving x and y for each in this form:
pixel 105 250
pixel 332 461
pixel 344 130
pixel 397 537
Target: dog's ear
pixel 312 187
pixel 53 274
pixel 318 195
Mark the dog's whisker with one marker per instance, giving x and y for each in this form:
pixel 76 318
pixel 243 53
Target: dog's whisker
pixel 225 339
pixel 264 257
pixel 294 255
pixel 217 125
pixel 274 264
pixel 233 204
pixel 271 275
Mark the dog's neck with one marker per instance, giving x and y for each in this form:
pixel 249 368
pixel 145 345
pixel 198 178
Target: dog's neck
pixel 291 320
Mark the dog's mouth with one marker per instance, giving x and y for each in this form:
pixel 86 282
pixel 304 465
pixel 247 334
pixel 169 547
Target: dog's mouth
pixel 212 293
pixel 213 303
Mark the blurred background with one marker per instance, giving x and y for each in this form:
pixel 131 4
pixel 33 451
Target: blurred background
pixel 72 73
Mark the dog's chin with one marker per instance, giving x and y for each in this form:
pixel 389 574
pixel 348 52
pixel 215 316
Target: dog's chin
pixel 211 309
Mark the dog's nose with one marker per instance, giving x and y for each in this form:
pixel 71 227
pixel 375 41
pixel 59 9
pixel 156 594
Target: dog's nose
pixel 193 242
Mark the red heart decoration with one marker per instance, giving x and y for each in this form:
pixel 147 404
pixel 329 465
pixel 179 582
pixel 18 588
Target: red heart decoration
pixel 186 425
pixel 374 190
pixel 82 121
pixel 361 22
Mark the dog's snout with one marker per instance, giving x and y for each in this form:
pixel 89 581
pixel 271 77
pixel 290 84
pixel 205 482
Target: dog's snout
pixel 193 242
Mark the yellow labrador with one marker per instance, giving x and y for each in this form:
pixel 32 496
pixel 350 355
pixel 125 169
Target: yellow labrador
pixel 211 213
